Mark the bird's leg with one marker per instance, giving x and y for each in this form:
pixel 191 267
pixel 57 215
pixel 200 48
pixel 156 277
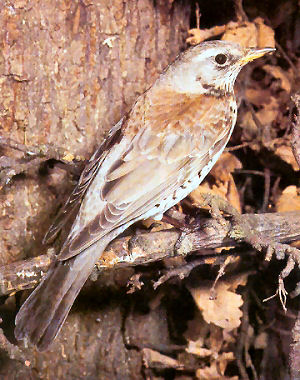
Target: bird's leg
pixel 242 231
pixel 180 225
pixel 180 221
pixel 218 205
pixel 184 223
pixel 187 224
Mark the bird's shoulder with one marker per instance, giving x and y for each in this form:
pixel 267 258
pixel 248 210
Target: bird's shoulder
pixel 165 111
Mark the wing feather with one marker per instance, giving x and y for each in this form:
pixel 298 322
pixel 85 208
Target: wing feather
pixel 86 178
pixel 133 195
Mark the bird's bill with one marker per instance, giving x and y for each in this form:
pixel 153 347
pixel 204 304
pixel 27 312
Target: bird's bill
pixel 251 54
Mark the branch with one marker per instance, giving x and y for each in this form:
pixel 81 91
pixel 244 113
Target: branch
pixel 296 130
pixel 33 157
pixel 148 247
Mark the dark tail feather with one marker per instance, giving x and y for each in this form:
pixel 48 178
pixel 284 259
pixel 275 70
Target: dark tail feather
pixel 45 310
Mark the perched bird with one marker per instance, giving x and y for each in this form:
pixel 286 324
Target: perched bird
pixel 152 158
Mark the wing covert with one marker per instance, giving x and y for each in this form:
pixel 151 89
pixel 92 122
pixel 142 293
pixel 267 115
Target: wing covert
pixel 87 175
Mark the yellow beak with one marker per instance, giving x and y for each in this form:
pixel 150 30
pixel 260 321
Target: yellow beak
pixel 251 54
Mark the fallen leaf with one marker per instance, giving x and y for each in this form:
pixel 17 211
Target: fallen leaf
pixel 224 311
pixel 289 200
pixel 286 154
pixel 250 34
pixel 278 73
pixel 265 34
pixel 247 34
pixel 217 368
pixel 154 359
pixel 226 164
pixel 267 113
pixel 257 96
pixel 197 329
pixel 195 348
pixel 200 35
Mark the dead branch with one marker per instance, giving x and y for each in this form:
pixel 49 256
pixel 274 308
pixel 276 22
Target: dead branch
pixel 148 247
pixel 33 157
pixel 296 130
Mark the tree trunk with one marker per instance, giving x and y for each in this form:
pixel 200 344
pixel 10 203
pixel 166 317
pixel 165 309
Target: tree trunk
pixel 69 70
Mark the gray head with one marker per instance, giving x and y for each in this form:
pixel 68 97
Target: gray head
pixel 210 67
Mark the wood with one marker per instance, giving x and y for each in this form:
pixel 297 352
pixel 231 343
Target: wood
pixel 148 247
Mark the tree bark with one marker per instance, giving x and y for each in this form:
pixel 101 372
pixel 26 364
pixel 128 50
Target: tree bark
pixel 148 247
pixel 69 70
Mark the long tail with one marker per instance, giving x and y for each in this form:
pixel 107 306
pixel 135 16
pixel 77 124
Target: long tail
pixel 45 310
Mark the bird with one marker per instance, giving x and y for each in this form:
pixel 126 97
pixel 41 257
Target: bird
pixel 157 153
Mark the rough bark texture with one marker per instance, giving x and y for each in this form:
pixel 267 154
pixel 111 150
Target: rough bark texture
pixel 68 71
pixel 148 247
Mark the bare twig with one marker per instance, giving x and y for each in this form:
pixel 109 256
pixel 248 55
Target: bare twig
pixel 16 168
pixel 286 57
pixel 40 150
pixel 239 11
pixel 267 190
pixel 254 172
pixel 240 146
pixel 296 130
pixel 198 15
pixel 33 157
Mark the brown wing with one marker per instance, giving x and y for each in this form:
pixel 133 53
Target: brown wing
pixel 136 187
pixel 86 178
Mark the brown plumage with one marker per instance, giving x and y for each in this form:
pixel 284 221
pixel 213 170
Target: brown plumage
pixel 157 154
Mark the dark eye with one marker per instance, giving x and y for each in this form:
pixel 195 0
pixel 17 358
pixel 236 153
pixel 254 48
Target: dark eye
pixel 220 59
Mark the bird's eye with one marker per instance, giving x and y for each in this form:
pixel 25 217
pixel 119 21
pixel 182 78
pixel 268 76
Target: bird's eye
pixel 221 59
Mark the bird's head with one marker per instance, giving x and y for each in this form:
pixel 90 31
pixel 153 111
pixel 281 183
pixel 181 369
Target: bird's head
pixel 210 67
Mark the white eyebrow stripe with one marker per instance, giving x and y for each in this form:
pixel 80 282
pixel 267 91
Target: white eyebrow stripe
pixel 208 53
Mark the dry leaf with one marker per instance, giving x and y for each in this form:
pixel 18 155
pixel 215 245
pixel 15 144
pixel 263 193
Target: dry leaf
pixel 278 73
pixel 156 225
pixel 249 127
pixel 153 359
pixel 265 34
pixel 266 115
pixel 226 164
pixel 208 373
pixel 289 200
pixel 196 348
pixel 286 154
pixel 217 369
pixel 224 311
pixel 247 34
pixel 250 34
pixel 269 112
pixel 244 34
pixel 215 340
pixel 200 35
pixel 257 96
